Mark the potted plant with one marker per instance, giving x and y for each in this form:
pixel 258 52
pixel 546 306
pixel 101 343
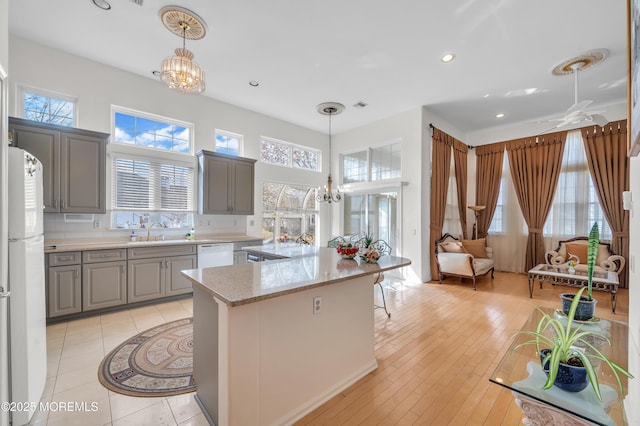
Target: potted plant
pixel 587 306
pixel 570 357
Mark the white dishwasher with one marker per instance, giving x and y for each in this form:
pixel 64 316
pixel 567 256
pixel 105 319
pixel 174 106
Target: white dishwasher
pixel 210 255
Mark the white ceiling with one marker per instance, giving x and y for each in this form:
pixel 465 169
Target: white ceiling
pixel 384 53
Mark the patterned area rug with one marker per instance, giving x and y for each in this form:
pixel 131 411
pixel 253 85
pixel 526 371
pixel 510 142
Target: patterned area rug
pixel 156 362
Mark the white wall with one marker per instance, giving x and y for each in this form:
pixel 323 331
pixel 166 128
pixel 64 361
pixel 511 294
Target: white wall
pixel 98 86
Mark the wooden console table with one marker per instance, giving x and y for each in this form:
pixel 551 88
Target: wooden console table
pixel 559 275
pixel 521 372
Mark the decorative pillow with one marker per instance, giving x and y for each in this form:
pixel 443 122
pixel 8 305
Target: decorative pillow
pixel 452 247
pixel 476 248
pixel 578 250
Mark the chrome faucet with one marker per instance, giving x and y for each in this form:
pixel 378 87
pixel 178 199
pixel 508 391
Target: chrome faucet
pixel 149 229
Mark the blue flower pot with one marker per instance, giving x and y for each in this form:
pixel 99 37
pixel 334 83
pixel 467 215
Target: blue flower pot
pixel 569 378
pixel 586 308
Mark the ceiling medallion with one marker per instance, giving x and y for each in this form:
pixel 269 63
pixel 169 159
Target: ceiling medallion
pixel 583 61
pixel 173 18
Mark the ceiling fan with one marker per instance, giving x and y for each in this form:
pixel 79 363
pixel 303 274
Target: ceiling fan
pixel 577 113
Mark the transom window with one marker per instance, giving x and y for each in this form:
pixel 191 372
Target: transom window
pixel 285 154
pixel 149 131
pixel 229 143
pixel 373 164
pixel 47 107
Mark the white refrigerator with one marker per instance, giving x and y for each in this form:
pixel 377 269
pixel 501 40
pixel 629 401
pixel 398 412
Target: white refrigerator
pixel 26 301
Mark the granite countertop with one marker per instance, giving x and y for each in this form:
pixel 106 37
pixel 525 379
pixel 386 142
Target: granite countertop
pixel 252 282
pixel 80 244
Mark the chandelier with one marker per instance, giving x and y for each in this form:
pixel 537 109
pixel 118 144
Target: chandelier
pixel 330 109
pixel 180 72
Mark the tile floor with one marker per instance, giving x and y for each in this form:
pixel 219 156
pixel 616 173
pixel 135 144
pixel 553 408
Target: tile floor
pixel 75 350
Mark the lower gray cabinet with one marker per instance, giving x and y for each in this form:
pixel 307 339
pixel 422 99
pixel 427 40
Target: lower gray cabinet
pixel 146 279
pixel 64 290
pixel 104 285
pixel 176 283
pixel 158 277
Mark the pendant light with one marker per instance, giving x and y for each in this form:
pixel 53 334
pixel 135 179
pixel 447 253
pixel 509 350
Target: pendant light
pixel 180 72
pixel 330 109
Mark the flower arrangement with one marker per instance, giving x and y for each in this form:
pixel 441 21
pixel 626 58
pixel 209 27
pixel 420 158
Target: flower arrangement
pixel 370 255
pixel 347 250
pixel 284 238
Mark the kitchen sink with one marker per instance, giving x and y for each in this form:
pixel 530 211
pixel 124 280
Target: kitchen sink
pixel 153 242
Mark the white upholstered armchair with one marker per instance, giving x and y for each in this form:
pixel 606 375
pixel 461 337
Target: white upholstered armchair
pixel 465 259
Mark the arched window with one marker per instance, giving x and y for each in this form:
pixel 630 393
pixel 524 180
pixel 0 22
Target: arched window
pixel 288 211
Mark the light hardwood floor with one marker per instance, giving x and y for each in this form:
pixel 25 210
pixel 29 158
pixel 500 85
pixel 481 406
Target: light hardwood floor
pixel 435 355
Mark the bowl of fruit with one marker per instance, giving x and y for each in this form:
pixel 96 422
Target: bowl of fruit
pixel 347 250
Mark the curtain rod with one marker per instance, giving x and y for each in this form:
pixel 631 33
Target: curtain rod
pixel 433 127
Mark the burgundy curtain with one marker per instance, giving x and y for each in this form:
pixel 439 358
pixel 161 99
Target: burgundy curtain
pixel 535 166
pixel 489 160
pixel 606 149
pixel 460 152
pixel 440 167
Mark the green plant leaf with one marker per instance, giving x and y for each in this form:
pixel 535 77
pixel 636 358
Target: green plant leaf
pixel 592 252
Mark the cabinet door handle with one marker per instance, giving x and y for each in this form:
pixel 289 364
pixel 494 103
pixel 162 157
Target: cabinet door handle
pixel 55 204
pixel 166 264
pixel 62 204
pixel 77 274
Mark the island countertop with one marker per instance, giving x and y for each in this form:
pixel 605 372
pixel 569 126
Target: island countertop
pixel 308 267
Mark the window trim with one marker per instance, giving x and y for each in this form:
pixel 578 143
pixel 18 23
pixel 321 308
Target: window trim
pixel 22 88
pixel 154 117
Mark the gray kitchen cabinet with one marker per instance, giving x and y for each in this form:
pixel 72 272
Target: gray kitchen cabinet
pixel 104 285
pixel 176 283
pixel 146 279
pixel 154 272
pixel 73 161
pixel 226 184
pixel 104 278
pixel 64 290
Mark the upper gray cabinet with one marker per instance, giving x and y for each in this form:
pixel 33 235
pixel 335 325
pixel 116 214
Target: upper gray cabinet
pixel 73 161
pixel 226 184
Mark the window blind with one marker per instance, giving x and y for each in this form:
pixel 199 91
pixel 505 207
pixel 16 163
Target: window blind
pixel 147 184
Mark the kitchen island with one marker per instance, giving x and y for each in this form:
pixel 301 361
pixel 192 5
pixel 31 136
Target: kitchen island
pixel 274 340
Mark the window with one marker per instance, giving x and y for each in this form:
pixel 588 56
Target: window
pixel 47 107
pixel 285 154
pixel 228 143
pixel 575 206
pixel 497 223
pixel 373 164
pixel 154 132
pixel 152 171
pixel 288 211
pixel 354 167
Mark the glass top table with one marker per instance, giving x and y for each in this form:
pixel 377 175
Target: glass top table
pixel 521 372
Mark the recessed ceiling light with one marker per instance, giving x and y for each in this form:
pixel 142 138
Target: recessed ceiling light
pixel 156 73
pixel 254 83
pixel 102 4
pixel 499 115
pixel 360 104
pixel 448 57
